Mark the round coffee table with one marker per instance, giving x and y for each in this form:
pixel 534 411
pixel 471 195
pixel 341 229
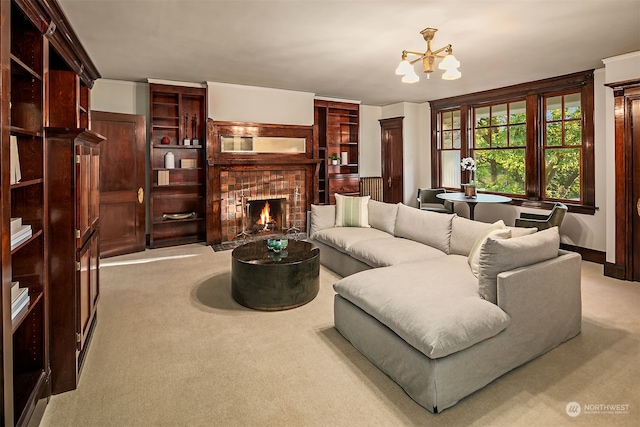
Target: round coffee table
pixel 264 280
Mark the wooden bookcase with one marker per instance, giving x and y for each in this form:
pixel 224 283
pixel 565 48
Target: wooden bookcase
pixel 29 30
pixel 338 125
pixel 181 189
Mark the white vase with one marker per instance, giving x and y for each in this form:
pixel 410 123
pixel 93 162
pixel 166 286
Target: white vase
pixel 345 158
pixel 169 161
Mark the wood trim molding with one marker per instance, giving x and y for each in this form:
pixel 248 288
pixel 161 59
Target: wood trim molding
pixel 587 254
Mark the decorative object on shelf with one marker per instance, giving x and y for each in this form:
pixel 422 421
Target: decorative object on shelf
pixel 449 62
pixel 334 159
pixel 188 163
pixel 184 215
pixel 345 158
pixel 169 161
pixel 468 164
pixel 194 136
pixel 186 140
pixel 165 140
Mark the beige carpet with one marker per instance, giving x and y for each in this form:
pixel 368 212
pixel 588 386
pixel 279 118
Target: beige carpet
pixel 173 349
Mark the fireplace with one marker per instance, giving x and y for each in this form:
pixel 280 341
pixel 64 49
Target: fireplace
pixel 264 216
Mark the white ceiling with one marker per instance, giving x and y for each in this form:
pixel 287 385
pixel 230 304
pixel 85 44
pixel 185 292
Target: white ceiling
pixel 349 49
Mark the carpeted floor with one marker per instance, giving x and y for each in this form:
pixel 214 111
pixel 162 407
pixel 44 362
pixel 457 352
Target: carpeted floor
pixel 172 348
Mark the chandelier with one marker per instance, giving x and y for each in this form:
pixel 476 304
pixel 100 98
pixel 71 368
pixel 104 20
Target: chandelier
pixel 449 62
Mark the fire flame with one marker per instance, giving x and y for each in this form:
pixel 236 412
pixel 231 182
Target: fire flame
pixel 264 215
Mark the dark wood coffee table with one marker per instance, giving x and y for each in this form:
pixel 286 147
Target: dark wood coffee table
pixel 264 280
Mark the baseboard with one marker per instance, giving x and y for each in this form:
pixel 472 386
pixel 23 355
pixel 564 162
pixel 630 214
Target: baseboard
pixel 587 254
pixel 615 270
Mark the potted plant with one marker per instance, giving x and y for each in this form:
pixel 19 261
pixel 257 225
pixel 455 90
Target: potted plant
pixel 468 164
pixel 334 159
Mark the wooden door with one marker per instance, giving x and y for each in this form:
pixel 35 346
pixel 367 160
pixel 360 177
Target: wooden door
pixel 392 163
pixel 122 182
pixel 635 144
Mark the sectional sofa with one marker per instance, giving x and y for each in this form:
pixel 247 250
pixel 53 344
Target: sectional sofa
pixel 441 304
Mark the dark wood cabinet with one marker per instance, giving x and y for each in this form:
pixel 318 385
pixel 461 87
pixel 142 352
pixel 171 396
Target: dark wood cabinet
pixel 36 42
pixel 337 126
pixel 73 162
pixel 177 130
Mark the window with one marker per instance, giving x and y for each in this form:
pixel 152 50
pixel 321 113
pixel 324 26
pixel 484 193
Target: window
pixel 499 143
pixel 532 142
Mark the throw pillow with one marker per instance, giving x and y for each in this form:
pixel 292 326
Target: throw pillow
pixel 495 231
pixel 352 211
pixel 383 216
pixel 465 233
pixel 497 256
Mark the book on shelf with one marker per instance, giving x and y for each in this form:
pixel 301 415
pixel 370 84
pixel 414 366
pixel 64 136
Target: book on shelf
pixel 19 299
pixel 16 223
pixel 163 177
pixel 23 233
pixel 188 163
pixel 16 175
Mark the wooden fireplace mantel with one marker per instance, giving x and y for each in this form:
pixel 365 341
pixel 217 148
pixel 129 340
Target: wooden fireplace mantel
pixel 217 162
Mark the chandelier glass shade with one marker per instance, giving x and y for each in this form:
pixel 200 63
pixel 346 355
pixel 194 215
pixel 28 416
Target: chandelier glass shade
pixel 448 62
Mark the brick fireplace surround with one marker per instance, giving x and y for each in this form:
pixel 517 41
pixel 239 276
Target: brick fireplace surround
pixel 234 176
pixel 266 184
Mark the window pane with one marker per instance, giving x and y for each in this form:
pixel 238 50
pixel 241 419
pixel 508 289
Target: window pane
pixel 562 173
pixel 572 106
pixel 501 171
pixel 456 139
pixel 499 115
pixel 518 136
pixel 573 132
pixel 447 120
pixel 554 108
pixel 482 117
pixel 446 139
pixel 554 134
pixel 499 139
pixel 456 119
pixel 450 169
pixel 482 138
pixel 517 112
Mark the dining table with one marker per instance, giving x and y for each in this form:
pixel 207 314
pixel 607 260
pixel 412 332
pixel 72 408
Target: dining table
pixel 473 201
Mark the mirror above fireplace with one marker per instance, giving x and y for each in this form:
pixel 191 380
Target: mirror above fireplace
pixel 262 144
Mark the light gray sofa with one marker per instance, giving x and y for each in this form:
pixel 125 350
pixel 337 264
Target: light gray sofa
pixel 410 302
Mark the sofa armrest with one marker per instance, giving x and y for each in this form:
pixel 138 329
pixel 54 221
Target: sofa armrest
pixel 544 296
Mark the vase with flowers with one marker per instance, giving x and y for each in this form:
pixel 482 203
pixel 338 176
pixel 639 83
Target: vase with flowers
pixel 468 164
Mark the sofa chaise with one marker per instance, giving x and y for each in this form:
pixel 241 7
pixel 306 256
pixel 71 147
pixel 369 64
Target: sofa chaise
pixel 441 304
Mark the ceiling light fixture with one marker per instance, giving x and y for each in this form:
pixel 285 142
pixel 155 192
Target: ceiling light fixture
pixel 449 62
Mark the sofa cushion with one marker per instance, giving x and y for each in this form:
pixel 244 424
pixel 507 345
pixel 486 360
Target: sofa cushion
pixel 432 305
pixel 497 256
pixel 465 232
pixel 342 238
pixel 495 232
pixel 383 215
pixel 392 251
pixel 430 228
pixel 352 211
pixel 522 231
pixel 322 217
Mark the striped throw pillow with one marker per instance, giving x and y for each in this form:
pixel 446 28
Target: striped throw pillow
pixel 352 211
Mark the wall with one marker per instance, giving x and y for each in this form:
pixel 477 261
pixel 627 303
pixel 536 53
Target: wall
pixel 370 161
pixel 116 96
pixel 237 103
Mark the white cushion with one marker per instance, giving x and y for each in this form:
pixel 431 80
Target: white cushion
pixel 465 232
pixel 430 228
pixel 352 211
pixel 433 305
pixel 383 215
pixel 497 256
pixel 342 238
pixel 322 216
pixel 495 232
pixel 392 251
